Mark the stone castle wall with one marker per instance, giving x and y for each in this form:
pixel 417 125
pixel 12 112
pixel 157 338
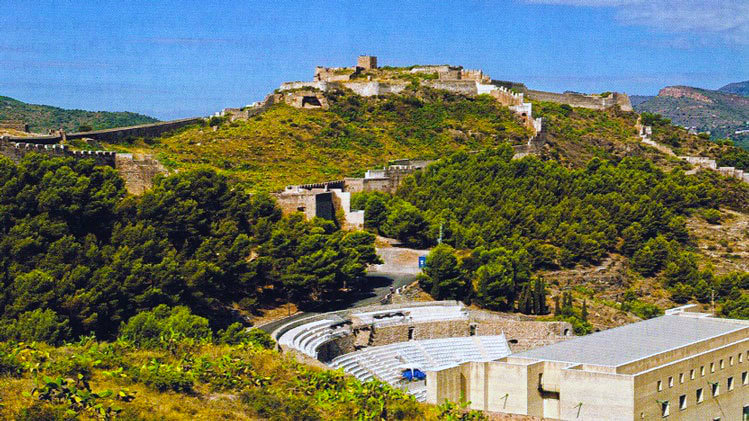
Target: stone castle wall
pixel 114 135
pixel 138 170
pixel 17 150
pixel 594 102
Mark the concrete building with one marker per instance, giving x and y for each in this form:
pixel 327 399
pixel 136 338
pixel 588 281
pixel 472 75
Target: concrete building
pixel 680 366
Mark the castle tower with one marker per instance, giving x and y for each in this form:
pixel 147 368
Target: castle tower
pixel 367 62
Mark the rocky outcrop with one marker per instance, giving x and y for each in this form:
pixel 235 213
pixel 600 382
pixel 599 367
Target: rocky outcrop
pixel 684 92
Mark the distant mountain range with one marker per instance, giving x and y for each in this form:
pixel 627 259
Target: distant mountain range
pixel 722 112
pixel 42 118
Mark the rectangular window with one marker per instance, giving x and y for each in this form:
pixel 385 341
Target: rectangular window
pixel 691 374
pixel 744 378
pixel 716 389
pixel 665 408
pixel 660 385
pixel 741 358
pixel 722 365
pixel 682 402
pixel 681 377
pixel 729 384
pixel 671 381
pixel 712 367
pixel 702 371
pixel 730 361
pixel 700 395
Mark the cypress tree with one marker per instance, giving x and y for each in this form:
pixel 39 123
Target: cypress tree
pixel 584 312
pixel 557 310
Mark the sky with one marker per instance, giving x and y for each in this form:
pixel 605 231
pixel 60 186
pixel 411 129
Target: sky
pixel 174 59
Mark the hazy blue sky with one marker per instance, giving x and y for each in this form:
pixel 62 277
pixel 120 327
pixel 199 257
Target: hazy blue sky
pixel 174 59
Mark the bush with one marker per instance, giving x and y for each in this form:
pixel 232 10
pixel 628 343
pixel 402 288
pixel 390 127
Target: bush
pixel 275 408
pixel 236 333
pixel 162 377
pixel 152 329
pixel 36 326
pixel 712 216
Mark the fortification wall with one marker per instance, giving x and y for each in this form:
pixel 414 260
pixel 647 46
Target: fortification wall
pixel 594 102
pixel 138 171
pixel 304 202
pixel 17 150
pixel 114 135
pixel 144 130
pixel 464 87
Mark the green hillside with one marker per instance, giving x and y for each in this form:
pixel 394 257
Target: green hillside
pixel 718 112
pixel 286 145
pixel 42 118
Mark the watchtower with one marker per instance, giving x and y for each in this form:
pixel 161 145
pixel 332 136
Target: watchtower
pixel 367 62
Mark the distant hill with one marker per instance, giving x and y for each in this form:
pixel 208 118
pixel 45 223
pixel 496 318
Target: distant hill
pixel 41 118
pixel 738 88
pixel 639 99
pixel 719 112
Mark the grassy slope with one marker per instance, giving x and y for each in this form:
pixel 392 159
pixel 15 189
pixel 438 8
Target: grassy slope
pixel 41 118
pixel 211 398
pixel 285 145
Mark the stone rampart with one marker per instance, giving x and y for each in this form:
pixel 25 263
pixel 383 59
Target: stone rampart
pixel 464 87
pixel 17 150
pixel 150 130
pixel 138 171
pixel 595 102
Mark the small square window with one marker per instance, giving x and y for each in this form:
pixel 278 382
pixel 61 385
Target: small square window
pixel 716 389
pixel 729 384
pixel 712 367
pixel 681 377
pixel 660 385
pixel 744 378
pixel 700 395
pixel 665 409
pixel 691 374
pixel 702 371
pixel 682 402
pixel 670 382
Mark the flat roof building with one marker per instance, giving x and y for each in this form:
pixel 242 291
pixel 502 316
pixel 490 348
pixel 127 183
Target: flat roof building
pixel 683 365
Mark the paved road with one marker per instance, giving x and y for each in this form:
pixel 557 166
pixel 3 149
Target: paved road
pixel 379 283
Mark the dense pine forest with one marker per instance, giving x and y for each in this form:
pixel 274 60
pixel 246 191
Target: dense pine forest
pixel 501 220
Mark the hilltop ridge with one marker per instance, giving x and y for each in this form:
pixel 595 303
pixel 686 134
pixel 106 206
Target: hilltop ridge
pixel 42 118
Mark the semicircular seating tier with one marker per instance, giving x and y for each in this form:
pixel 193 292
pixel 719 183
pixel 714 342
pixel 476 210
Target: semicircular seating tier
pixel 387 362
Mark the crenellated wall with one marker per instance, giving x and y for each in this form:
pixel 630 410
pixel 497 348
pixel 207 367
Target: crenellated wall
pixel 17 150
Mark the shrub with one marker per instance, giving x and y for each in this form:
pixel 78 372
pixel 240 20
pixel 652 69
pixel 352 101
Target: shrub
pixel 162 377
pixel 36 326
pixel 235 334
pixel 712 216
pixel 151 329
